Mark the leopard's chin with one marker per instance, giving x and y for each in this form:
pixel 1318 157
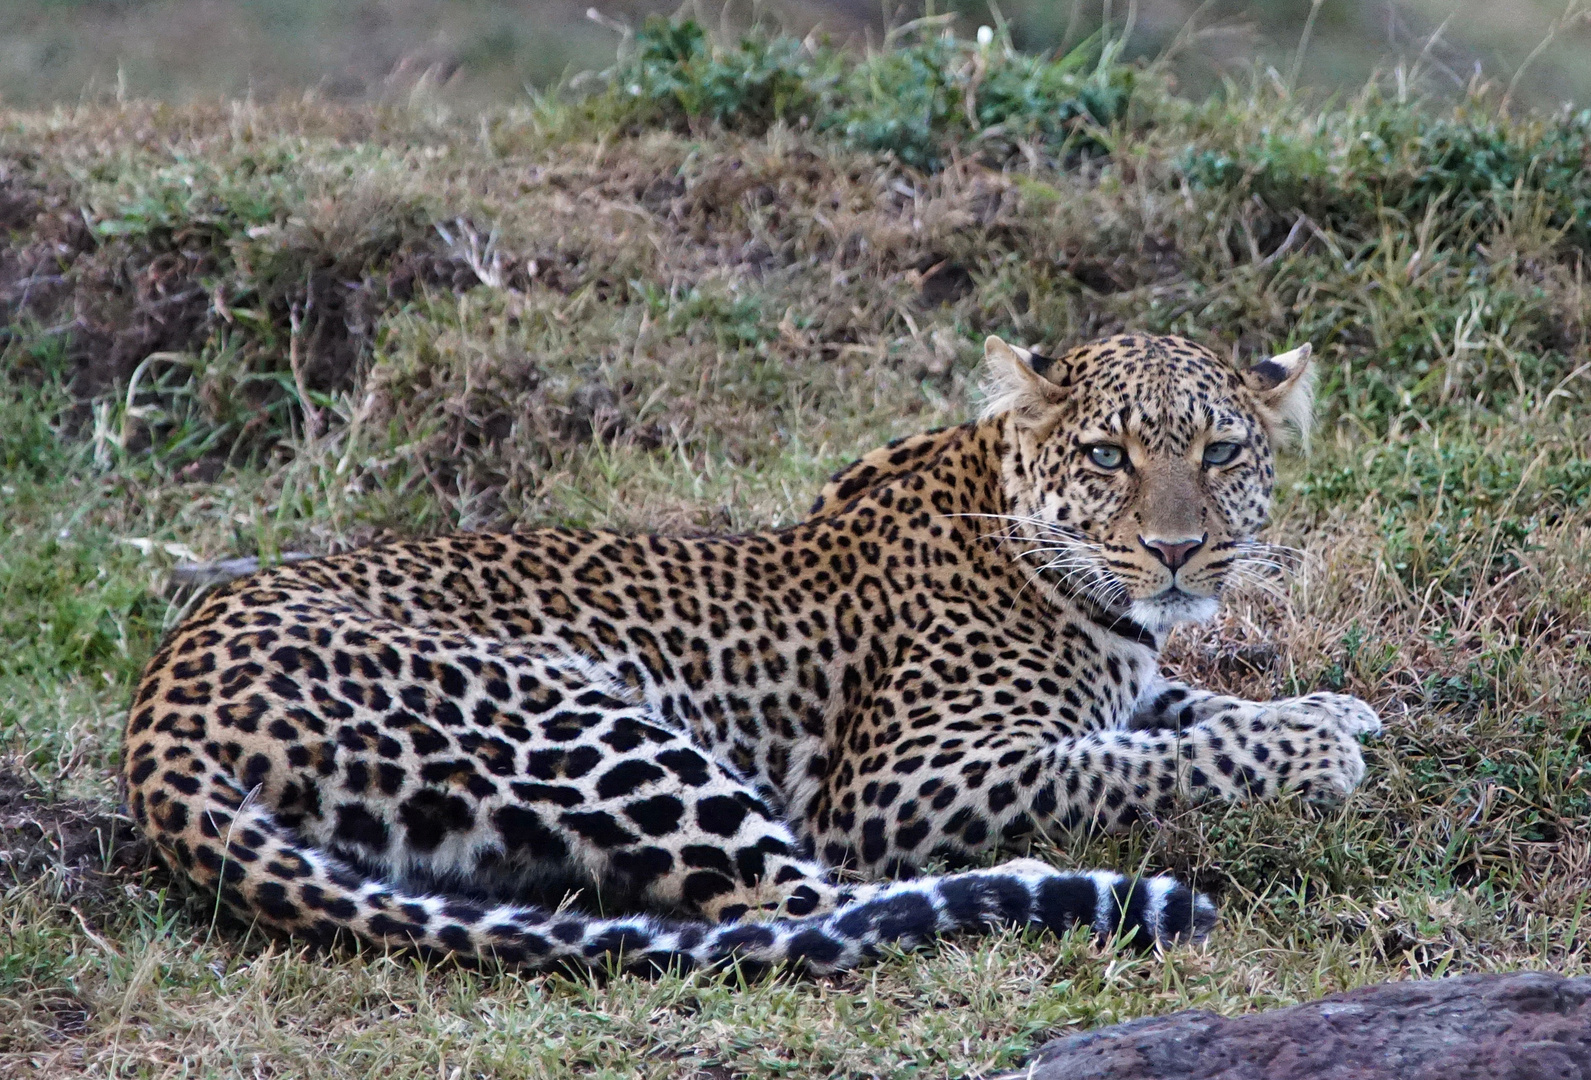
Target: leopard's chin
pixel 1159 613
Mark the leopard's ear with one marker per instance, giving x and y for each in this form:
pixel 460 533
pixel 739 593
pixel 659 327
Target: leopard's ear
pixel 1017 380
pixel 1284 387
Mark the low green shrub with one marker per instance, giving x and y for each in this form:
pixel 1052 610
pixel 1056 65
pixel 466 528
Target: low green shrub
pixel 924 101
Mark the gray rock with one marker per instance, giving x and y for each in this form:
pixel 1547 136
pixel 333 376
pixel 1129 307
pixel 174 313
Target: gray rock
pixel 1523 1026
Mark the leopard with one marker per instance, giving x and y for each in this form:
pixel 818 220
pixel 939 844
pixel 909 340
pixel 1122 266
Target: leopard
pixel 794 748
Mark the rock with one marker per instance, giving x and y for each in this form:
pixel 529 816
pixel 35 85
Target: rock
pixel 1523 1026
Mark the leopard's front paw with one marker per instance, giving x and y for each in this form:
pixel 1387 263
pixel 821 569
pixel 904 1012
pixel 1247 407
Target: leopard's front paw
pixel 1319 756
pixel 1352 714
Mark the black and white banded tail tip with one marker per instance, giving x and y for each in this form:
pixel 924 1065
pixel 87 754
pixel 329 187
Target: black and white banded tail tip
pixel 1163 908
pixel 1141 912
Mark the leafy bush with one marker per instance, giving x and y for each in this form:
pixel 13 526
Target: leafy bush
pixel 675 76
pixel 920 101
pixel 1340 168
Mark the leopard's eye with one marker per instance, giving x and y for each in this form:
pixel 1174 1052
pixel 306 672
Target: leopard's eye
pixel 1106 456
pixel 1221 453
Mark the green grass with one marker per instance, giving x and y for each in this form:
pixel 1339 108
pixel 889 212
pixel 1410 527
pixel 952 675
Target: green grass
pixel 248 330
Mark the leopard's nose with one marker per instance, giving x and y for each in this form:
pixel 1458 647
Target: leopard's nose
pixel 1173 553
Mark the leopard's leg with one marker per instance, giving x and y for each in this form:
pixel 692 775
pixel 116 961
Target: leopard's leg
pixel 668 817
pixel 995 789
pixel 475 762
pixel 596 784
pixel 1169 704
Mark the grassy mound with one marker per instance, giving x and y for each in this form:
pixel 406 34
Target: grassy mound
pixel 680 301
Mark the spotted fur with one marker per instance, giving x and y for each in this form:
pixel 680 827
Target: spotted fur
pixel 426 744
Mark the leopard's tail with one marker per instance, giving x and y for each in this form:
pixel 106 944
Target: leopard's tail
pixel 262 871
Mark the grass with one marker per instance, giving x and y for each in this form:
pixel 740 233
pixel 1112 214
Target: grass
pixel 251 330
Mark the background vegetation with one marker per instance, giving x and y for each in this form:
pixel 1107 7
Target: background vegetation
pixel 677 302
pixel 490 50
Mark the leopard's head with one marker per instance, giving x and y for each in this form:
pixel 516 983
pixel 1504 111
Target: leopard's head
pixel 1139 468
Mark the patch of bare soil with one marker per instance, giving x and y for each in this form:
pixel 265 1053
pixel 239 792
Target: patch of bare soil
pixel 89 852
pixel 153 300
pixel 89 846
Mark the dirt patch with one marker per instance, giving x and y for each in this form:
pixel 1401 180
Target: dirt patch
pixel 90 847
pixel 140 309
pixel 943 282
pixel 19 203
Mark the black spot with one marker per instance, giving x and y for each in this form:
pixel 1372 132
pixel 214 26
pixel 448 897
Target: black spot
pixel 567 726
pixel 559 794
pixel 909 836
pixel 1066 900
pixel 625 735
pixel 733 941
pixel 317 899
pixel 270 898
pixel 707 857
pixel 643 865
pixel 386 926
pixel 597 827
pixel 188 785
pixel 212 860
pixel 356 825
pixel 425 740
pixel 284 687
pixel 720 815
pixel 356 778
pixel 390 777
pixel 802 901
pixel 703 885
pixel 1016 828
pixel 523 831
pixel 752 865
pixel 626 776
pixel 1001 796
pixel 573 764
pixel 451 679
pixel 972 901
pixel 286 871
pixel 463 911
pixel 450 771
pixel 456 938
pixel 619 940
pixel 688 765
pixel 873 842
pixel 907 915
pixel 656 816
pixel 1130 907
pixel 815 947
pixel 174 817
pixel 1179 913
pixel 428 816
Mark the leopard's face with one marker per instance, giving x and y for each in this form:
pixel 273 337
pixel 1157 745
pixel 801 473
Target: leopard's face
pixel 1142 467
